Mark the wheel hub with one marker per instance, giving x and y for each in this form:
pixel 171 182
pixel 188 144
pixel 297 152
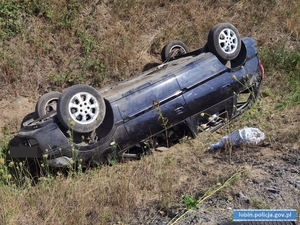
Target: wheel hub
pixel 228 41
pixel 83 108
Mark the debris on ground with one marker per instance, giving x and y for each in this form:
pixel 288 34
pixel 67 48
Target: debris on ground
pixel 247 135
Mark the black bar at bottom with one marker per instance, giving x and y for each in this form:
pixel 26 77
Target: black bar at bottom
pixel 25 152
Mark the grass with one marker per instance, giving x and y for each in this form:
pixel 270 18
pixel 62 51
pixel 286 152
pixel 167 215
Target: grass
pixel 110 194
pixel 191 202
pixel 5 176
pixel 259 204
pixel 52 46
pixel 97 43
pixel 286 63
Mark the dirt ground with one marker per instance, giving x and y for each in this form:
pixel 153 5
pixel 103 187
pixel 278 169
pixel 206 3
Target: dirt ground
pixel 273 183
pixel 272 179
pixel 12 113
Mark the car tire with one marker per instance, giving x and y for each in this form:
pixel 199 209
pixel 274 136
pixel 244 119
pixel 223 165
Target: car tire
pixel 224 41
pixel 173 50
pixel 47 103
pixel 81 108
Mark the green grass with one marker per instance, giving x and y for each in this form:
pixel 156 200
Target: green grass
pixel 5 176
pixel 286 63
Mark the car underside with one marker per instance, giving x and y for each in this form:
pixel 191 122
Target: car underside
pixel 189 93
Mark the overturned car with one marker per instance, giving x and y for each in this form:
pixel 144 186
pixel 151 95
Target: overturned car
pixel 188 93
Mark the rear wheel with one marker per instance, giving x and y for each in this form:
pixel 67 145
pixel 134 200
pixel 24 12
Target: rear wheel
pixel 81 108
pixel 47 103
pixel 173 50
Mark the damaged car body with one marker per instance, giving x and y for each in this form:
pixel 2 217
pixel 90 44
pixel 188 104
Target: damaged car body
pixel 190 92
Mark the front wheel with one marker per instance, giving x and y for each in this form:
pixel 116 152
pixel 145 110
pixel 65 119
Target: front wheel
pixel 81 108
pixel 224 41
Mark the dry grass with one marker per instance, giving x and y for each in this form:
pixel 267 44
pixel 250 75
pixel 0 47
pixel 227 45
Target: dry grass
pixel 99 42
pixel 114 194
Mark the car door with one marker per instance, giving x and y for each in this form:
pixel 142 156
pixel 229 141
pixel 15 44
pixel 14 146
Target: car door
pixel 143 110
pixel 205 83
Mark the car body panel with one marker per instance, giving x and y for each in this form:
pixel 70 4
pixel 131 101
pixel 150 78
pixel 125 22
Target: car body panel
pixel 142 100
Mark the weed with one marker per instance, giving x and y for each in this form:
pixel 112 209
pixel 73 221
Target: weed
pixel 5 176
pixel 64 78
pixel 210 192
pixel 68 17
pixel 9 66
pixel 224 117
pixel 76 163
pixel 98 68
pixel 10 15
pixel 164 121
pixel 112 158
pixel 190 202
pixel 87 44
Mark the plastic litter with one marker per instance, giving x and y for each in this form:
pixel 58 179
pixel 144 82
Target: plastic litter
pixel 247 135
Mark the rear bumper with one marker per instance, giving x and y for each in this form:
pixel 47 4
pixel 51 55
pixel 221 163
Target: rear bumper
pixel 25 152
pixel 45 139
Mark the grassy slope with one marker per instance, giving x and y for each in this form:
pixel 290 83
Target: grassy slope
pixel 52 46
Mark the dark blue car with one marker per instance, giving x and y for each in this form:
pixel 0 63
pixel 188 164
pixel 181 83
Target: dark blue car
pixel 188 93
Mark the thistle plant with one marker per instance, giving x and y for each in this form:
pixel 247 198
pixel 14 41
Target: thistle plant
pixel 164 121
